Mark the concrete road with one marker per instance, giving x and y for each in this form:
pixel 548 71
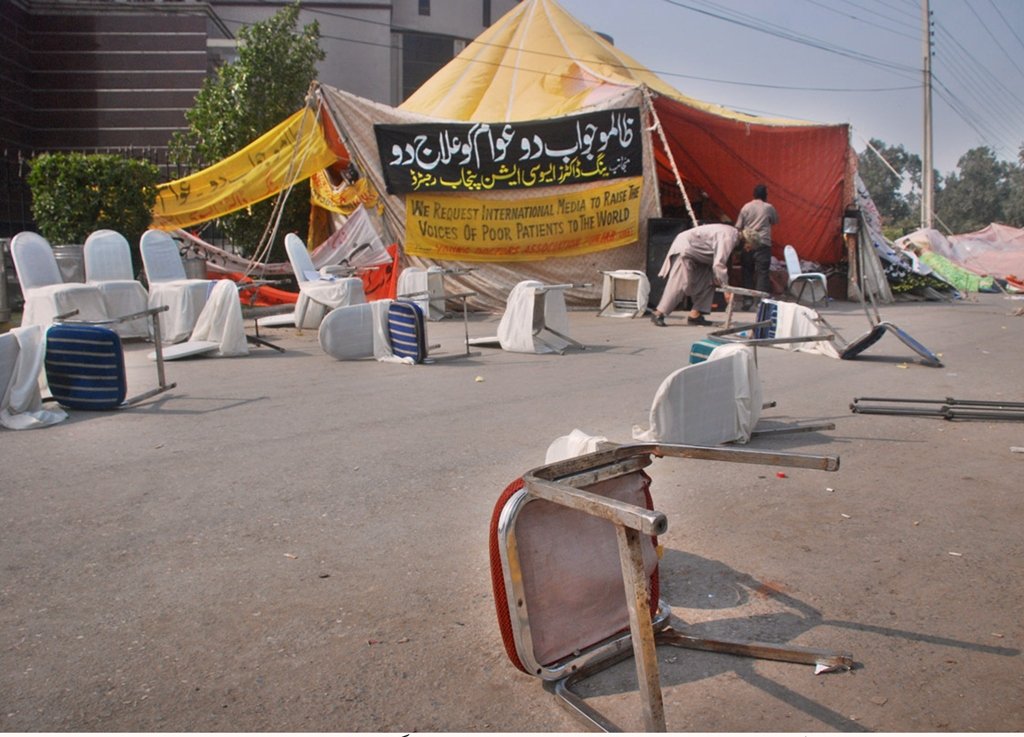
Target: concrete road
pixel 285 542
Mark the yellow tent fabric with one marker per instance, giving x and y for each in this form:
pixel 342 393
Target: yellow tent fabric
pixel 539 61
pixel 288 153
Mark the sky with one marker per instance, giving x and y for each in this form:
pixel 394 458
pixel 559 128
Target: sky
pixel 839 61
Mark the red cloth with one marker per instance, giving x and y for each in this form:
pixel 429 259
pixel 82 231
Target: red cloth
pixel 807 170
pixel 382 282
pixel 266 296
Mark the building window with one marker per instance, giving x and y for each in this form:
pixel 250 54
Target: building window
pixel 422 56
pixel 424 7
pixel 487 13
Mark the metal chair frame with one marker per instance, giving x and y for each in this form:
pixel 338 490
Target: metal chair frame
pixel 624 292
pixel 540 324
pixel 565 483
pixel 153 313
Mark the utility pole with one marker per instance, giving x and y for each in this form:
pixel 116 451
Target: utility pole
pixel 928 168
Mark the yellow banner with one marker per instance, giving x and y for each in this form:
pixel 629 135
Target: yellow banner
pixel 343 200
pixel 289 153
pixel 474 229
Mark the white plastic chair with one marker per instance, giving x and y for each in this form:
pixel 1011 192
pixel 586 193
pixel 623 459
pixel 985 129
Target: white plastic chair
pixel 535 319
pixel 425 287
pixel 45 292
pixel 327 292
pixel 21 366
pixel 169 285
pixel 803 279
pixel 108 266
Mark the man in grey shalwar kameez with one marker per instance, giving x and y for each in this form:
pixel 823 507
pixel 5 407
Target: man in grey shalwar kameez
pixel 697 262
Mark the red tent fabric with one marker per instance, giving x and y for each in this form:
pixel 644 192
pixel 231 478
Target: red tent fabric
pixel 805 167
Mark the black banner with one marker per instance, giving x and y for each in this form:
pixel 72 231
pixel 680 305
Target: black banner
pixel 445 157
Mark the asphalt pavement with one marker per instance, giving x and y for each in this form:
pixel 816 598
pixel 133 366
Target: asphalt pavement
pixel 285 542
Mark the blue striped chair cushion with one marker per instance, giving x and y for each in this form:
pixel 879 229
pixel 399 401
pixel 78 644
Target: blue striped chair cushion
pixel 405 328
pixel 85 366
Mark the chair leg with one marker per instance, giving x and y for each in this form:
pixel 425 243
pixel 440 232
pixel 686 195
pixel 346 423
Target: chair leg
pixel 568 699
pixel 566 338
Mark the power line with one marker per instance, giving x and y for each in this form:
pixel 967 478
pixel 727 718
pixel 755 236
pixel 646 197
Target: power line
pixel 563 57
pixel 998 101
pixel 1006 23
pixel 913 12
pixel 993 37
pixel 762 26
pixel 887 29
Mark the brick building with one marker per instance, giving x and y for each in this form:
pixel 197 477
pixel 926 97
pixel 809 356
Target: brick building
pixel 118 75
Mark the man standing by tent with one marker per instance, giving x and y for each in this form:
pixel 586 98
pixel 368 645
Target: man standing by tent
pixel 696 262
pixel 759 216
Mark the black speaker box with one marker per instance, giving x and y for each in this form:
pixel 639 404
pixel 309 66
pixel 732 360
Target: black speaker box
pixel 660 234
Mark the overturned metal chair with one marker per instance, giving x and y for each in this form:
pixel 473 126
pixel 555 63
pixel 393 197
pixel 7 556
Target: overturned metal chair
pixel 624 293
pixel 575 595
pixel 84 362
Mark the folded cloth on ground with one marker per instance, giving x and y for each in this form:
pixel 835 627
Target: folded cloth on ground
pixel 22 351
pixel 576 443
pixel 221 321
pixel 797 321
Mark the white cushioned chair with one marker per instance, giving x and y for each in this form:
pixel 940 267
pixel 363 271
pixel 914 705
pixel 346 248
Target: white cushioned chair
pixel 45 292
pixel 108 266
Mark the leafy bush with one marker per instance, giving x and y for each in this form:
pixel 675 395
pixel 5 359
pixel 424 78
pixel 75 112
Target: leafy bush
pixel 74 194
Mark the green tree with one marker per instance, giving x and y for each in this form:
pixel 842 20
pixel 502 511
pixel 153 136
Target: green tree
pixel 242 101
pixel 896 195
pixel 977 193
pixel 1014 210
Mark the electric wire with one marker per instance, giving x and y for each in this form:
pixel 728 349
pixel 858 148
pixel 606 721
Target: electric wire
pixel 563 57
pixel 843 14
pixel 755 23
pixel 1006 23
pixel 993 37
pixel 960 71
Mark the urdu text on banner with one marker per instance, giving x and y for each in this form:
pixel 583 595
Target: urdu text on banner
pixel 288 153
pixel 473 157
pixel 493 229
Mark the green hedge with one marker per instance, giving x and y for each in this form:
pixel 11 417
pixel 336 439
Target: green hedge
pixel 74 194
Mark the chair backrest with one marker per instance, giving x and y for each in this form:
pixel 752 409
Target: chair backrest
pixel 85 367
pixel 708 403
pixel 298 257
pixel 553 571
pixel 161 257
pixel 34 261
pixel 108 257
pixel 792 262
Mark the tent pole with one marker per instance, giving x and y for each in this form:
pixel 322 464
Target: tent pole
pixel 668 152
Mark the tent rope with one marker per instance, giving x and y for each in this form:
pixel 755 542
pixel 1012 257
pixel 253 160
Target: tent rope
pixel 899 176
pixel 277 213
pixel 649 104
